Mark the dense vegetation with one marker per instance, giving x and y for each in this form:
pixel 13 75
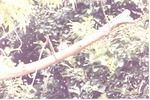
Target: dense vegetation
pixel 114 67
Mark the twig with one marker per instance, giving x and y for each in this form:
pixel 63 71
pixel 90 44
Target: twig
pixel 104 31
pixel 19 48
pixel 5 34
pixel 51 46
pixel 103 10
pixel 2 51
pixel 34 75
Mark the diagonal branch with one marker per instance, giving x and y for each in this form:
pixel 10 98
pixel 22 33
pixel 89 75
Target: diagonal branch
pixel 24 69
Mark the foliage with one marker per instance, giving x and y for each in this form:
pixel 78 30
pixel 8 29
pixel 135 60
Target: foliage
pixel 84 28
pixel 51 3
pixel 113 67
pixel 13 13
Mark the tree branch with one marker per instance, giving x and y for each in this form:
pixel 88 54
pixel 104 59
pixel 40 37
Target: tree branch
pixel 24 69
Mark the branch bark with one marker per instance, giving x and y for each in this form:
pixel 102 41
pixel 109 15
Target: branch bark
pixel 24 69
